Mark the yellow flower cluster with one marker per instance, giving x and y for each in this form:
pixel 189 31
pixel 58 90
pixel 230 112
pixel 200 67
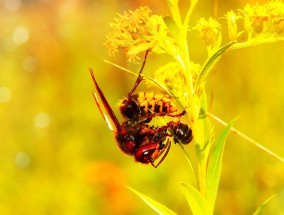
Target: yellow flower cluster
pixel 172 76
pixel 209 32
pixel 135 32
pixel 276 11
pixel 259 19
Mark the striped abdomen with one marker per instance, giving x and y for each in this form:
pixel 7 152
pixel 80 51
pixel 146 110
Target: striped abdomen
pixel 145 105
pixel 181 131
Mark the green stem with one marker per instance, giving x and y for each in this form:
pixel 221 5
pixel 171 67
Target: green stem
pixel 190 93
pixel 173 5
pixel 255 42
pixel 202 176
pixel 185 61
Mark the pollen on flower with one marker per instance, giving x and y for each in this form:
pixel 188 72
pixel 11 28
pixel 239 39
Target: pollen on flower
pixel 255 19
pixel 134 32
pixel 276 11
pixel 128 31
pixel 267 19
pixel 171 75
pixel 232 25
pixel 209 32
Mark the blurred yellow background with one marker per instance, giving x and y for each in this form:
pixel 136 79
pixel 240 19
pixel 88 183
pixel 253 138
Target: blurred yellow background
pixel 57 155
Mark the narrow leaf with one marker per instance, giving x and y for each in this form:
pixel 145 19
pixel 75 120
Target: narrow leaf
pixel 189 161
pixel 260 208
pixel 156 206
pixel 203 127
pixel 173 6
pixel 215 165
pixel 172 26
pixel 197 203
pixel 210 63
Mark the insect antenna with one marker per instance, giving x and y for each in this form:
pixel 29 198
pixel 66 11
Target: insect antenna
pixel 106 105
pixel 140 77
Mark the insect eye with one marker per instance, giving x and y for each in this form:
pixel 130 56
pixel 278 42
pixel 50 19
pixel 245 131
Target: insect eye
pixel 130 109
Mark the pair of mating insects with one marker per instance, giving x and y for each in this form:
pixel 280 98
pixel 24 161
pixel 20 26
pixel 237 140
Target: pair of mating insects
pixel 135 136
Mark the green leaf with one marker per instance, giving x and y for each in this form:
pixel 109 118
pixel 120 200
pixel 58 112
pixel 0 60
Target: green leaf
pixel 172 27
pixel 156 206
pixel 203 127
pixel 210 63
pixel 215 165
pixel 189 161
pixel 260 208
pixel 173 6
pixel 197 203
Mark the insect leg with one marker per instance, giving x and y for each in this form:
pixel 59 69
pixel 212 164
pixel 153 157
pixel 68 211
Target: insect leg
pixel 167 149
pixel 177 115
pixel 139 78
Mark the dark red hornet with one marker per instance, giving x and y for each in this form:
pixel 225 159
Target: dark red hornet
pixel 146 143
pixel 180 131
pixel 144 106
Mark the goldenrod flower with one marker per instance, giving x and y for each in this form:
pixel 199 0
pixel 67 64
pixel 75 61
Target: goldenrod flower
pixel 172 76
pixel 232 25
pixel 276 11
pixel 136 31
pixel 209 32
pixel 255 19
pixel 128 30
pixel 279 25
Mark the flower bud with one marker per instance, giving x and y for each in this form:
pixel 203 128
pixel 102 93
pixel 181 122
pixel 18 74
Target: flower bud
pixel 232 25
pixel 279 26
pixel 209 32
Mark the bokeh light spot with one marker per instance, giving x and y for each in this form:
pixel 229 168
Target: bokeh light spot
pixel 8 44
pixel 12 5
pixel 5 94
pixel 21 35
pixel 42 120
pixel 30 64
pixel 22 160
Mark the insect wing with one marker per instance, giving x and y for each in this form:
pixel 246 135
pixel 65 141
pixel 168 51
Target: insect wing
pixel 105 116
pixel 107 111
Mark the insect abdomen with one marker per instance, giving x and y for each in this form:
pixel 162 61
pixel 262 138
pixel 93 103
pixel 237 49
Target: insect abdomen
pixel 153 103
pixel 181 131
